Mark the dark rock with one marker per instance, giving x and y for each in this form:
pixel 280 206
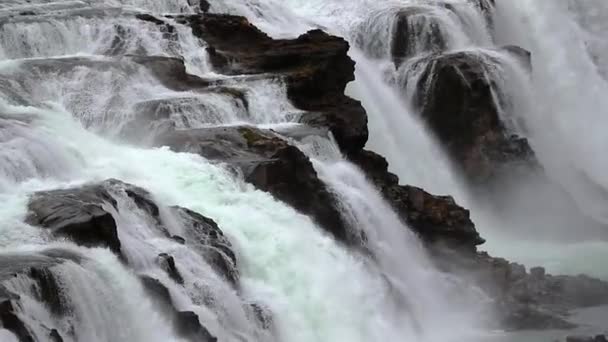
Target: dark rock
pixel 315 66
pixel 188 325
pixel 262 315
pixel 54 336
pixel 537 273
pixel 456 99
pixel 156 117
pixel 437 219
pixel 185 323
pixel 179 239
pixel 204 235
pixel 523 56
pixel 46 288
pixel 81 214
pixel 460 101
pixel 78 214
pixel 201 6
pixel 271 164
pixel 413 34
pixel 167 263
pixel 171 72
pixel 12 322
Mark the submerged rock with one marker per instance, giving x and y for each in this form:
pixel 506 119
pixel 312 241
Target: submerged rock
pixel 204 235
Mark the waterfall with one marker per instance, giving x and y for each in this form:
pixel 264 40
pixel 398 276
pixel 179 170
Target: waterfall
pixel 200 254
pixel 70 83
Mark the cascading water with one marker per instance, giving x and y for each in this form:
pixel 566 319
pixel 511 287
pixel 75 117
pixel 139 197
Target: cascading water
pixel 71 81
pixel 84 77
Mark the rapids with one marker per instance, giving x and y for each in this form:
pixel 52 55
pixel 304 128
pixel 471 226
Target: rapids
pixel 69 83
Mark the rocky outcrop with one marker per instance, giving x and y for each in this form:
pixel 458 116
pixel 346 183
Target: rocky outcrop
pixel 438 220
pixel 456 99
pixel 79 214
pixel 271 164
pixel 315 67
pixel 185 323
pixel 85 215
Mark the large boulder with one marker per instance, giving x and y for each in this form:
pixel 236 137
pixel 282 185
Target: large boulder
pixel 456 97
pixel 271 164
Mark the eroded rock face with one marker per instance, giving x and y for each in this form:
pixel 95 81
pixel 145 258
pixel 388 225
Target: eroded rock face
pixel 271 164
pixel 436 219
pixel 77 214
pixel 456 99
pixel 315 67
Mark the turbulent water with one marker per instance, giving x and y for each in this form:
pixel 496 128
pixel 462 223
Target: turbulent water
pixel 68 87
pixel 561 98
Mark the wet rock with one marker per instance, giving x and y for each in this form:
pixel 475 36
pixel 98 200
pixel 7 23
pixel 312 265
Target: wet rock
pixel 436 219
pixel 262 315
pixel 77 214
pixel 37 269
pixel 171 72
pixel 83 215
pixel 413 33
pixel 12 322
pixel 185 323
pixel 271 164
pixel 456 99
pixel 167 263
pixel 315 66
pixel 523 56
pixel 204 235
pixel 460 101
pixel 200 5
pixel 48 290
pixel 54 336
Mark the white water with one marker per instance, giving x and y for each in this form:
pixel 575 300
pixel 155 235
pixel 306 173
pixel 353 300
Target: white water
pixel 564 96
pixel 315 288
